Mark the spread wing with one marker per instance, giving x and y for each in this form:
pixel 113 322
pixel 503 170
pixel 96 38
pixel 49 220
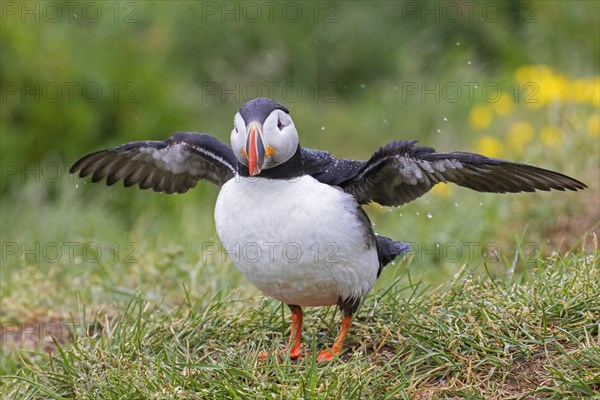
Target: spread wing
pixel 401 172
pixel 173 166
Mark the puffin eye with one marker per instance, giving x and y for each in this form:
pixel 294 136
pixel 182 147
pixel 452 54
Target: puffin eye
pixel 279 124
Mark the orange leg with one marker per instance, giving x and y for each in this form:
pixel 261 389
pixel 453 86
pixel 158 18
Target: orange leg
pixel 295 332
pixel 294 346
pixel 328 354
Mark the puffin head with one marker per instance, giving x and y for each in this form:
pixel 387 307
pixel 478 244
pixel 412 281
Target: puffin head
pixel 263 135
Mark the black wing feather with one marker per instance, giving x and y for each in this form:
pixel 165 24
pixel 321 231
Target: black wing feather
pixel 401 172
pixel 173 166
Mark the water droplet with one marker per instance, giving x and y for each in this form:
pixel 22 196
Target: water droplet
pixel 418 213
pixel 77 186
pixel 458 43
pixel 322 128
pixel 439 130
pixel 455 204
pixel 429 215
pixel 480 203
pixel 362 86
pixel 445 119
pixel 469 62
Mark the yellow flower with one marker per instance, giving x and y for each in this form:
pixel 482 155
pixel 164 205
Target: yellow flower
pixel 519 134
pixel 552 87
pixel 504 106
pixel 550 136
pixel 546 85
pixel 442 190
pixel 580 91
pixel 543 84
pixel 595 91
pixel 525 73
pixel 593 125
pixel 480 117
pixel 586 91
pixel 489 146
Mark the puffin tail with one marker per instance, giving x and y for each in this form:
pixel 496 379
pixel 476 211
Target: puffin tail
pixel 388 250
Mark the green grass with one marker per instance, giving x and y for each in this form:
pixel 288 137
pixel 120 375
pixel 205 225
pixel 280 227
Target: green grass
pixel 528 335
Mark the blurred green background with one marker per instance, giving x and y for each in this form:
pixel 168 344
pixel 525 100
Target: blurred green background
pixel 516 80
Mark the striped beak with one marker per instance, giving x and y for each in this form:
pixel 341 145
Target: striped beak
pixel 255 148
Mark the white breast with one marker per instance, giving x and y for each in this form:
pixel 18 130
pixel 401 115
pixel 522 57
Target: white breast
pixel 299 241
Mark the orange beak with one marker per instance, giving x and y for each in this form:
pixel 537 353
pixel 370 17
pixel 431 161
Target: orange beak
pixel 255 148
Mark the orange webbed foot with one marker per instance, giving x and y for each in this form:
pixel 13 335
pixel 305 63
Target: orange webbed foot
pixel 326 355
pixel 329 354
pixel 294 353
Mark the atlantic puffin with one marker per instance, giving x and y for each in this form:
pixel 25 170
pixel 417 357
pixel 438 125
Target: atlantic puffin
pixel 291 218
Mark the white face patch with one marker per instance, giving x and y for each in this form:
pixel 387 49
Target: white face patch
pixel 238 138
pixel 279 133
